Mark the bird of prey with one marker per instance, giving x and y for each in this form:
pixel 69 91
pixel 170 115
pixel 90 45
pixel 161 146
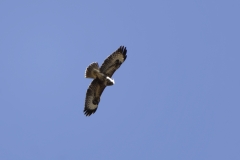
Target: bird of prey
pixel 102 77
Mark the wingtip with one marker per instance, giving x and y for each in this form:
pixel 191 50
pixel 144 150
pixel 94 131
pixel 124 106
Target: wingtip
pixel 88 112
pixel 123 50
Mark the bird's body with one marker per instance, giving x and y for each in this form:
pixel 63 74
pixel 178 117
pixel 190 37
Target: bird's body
pixel 94 72
pixel 102 78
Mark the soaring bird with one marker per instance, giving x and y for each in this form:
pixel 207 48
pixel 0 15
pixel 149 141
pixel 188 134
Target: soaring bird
pixel 102 77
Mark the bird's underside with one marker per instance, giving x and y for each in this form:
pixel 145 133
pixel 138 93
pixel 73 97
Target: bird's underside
pixel 102 78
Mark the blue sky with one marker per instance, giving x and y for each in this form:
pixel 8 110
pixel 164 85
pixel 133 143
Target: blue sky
pixel 177 95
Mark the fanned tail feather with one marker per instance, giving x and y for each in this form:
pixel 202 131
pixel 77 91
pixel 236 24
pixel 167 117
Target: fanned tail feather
pixel 92 70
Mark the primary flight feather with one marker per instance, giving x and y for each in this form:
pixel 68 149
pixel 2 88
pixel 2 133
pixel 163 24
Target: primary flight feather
pixel 102 77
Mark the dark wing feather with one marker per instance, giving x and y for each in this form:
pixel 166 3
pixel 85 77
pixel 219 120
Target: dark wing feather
pixel 93 95
pixel 114 61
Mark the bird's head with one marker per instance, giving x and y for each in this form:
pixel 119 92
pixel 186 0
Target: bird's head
pixel 109 81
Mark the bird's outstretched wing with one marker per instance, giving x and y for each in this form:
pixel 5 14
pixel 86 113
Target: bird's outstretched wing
pixel 93 96
pixel 114 61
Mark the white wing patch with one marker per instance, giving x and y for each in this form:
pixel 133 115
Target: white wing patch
pixel 119 57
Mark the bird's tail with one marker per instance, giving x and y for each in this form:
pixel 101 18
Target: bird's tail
pixel 92 70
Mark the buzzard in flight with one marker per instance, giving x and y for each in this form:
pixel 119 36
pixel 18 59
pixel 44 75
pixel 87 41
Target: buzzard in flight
pixel 102 78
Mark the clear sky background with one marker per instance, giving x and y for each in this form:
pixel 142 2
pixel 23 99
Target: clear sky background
pixel 176 97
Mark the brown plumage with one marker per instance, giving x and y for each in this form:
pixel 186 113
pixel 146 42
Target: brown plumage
pixel 102 78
